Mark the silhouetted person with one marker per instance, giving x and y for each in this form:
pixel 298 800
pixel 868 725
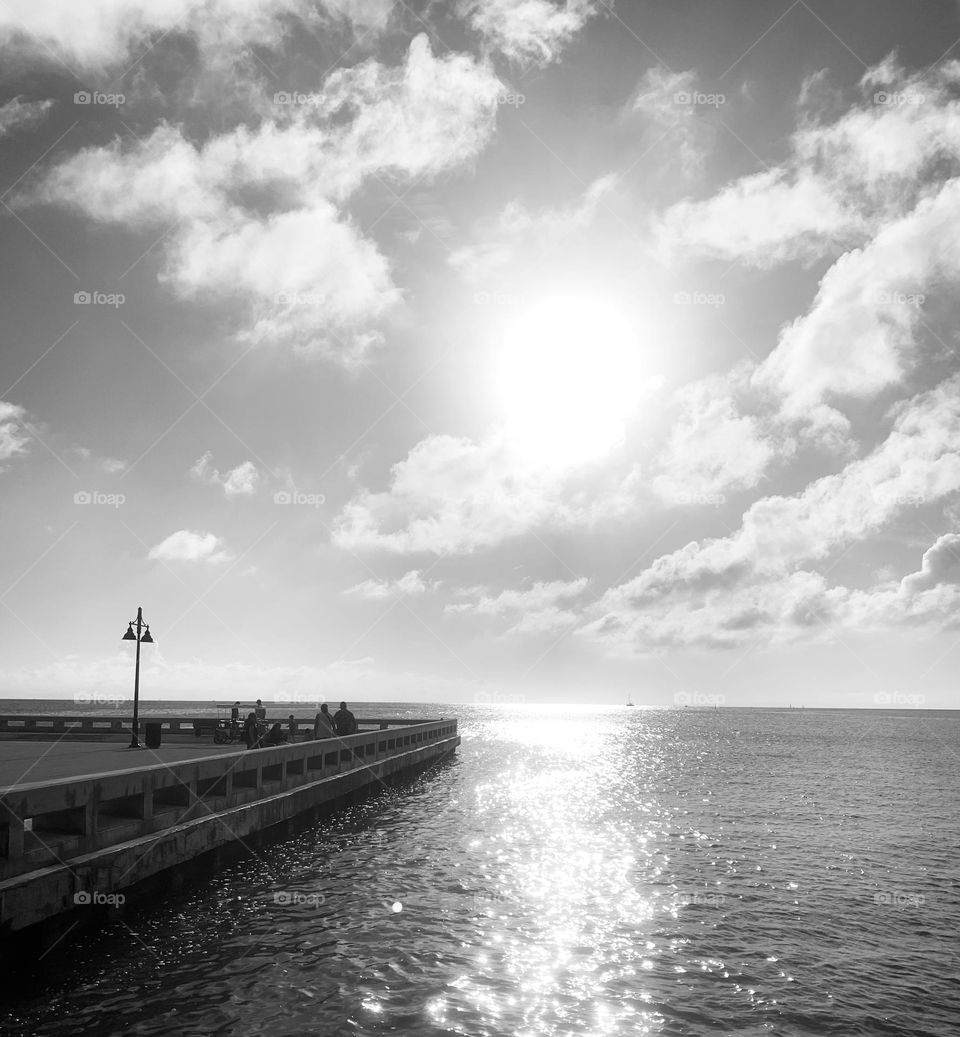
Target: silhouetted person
pixel 261 714
pixel 344 722
pixel 235 713
pixel 274 736
pixel 323 724
pixel 291 729
pixel 250 733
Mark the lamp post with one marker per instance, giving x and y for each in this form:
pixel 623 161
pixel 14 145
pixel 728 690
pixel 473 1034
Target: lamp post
pixel 146 639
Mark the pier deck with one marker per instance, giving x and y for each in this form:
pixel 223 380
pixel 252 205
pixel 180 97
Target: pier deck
pixel 28 762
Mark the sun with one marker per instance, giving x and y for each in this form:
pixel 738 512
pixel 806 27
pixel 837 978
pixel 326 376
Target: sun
pixel 569 376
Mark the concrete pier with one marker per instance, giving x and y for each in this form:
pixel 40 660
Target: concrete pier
pixel 69 843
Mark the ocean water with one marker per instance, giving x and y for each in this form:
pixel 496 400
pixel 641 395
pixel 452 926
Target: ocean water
pixel 572 871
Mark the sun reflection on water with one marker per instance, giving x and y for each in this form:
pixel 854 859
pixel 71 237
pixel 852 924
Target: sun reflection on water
pixel 572 903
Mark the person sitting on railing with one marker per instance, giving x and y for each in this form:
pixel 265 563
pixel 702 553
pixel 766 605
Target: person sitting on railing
pixel 344 722
pixel 250 733
pixel 323 724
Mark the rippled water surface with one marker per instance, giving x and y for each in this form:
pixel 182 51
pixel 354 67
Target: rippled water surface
pixel 573 872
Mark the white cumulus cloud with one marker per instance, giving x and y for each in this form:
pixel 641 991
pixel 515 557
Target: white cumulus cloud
pixel 255 216
pixel 410 585
pixel 534 31
pixel 188 546
pixel 241 481
pixel 13 432
pixel 18 115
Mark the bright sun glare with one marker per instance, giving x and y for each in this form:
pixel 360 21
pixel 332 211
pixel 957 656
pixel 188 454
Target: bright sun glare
pixel 569 377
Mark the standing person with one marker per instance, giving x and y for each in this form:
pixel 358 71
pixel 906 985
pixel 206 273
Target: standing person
pixel 323 724
pixel 344 722
pixel 250 733
pixel 261 715
pixel 291 729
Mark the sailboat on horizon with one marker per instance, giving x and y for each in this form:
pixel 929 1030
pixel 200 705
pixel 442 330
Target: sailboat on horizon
pixel 629 700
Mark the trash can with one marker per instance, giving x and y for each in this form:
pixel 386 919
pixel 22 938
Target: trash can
pixel 152 735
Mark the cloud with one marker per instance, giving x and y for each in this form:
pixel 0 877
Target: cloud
pixel 410 585
pixel 529 31
pixel 18 115
pixel 101 33
pixel 14 435
pixel 711 448
pixel 941 564
pixel 844 179
pixel 449 495
pixel 859 337
pixel 875 190
pixel 454 495
pixel 516 227
pixel 237 482
pixel 666 100
pixel 763 219
pixel 533 611
pixel 254 217
pixel 110 465
pixel 795 607
pixel 188 546
pixel 712 587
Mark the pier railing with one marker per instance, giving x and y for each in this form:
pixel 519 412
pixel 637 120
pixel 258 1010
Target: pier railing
pixel 18 723
pixel 46 823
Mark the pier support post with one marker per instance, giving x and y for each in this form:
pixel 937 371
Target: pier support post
pixel 14 827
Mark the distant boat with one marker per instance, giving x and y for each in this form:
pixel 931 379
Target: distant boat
pixel 629 700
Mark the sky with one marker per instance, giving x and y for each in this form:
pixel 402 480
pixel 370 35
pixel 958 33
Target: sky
pixel 497 351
